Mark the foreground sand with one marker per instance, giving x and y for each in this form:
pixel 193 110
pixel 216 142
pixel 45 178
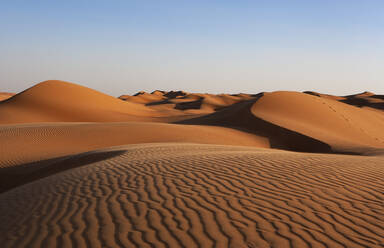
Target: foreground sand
pixel 190 195
pixel 79 168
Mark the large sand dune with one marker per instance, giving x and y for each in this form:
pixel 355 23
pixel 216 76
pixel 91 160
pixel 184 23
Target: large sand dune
pixel 26 143
pixel 79 168
pixel 55 101
pixel 301 122
pixel 173 195
pixel 332 122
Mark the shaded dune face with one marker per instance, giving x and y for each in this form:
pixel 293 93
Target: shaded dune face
pixel 239 116
pixel 12 177
pixel 173 195
pixel 365 99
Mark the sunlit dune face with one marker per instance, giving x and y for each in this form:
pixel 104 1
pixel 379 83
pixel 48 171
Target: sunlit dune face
pixel 5 95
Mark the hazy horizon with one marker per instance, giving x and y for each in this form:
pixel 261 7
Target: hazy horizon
pixel 201 46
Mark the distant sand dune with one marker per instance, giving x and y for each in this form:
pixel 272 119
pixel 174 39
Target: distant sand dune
pixel 174 195
pixel 366 99
pixel 193 103
pixel 332 122
pixel 301 122
pixel 311 122
pixel 53 101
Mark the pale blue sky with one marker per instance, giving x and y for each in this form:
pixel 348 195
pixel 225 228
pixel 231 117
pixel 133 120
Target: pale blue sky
pixel 121 47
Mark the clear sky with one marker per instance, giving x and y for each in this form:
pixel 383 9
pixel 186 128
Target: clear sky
pixel 121 47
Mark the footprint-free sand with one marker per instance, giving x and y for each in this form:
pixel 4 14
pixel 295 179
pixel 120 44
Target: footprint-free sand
pixel 79 168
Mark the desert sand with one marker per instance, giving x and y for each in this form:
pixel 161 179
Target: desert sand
pixel 5 95
pixel 79 168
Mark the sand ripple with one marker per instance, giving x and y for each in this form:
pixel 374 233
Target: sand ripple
pixel 184 195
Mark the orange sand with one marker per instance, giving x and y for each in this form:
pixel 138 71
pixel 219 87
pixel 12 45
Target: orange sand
pixel 79 168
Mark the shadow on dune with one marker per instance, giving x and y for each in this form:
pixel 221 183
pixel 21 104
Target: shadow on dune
pixel 173 94
pixel 378 97
pixel 189 105
pixel 240 117
pixel 25 173
pixel 363 102
pixel 166 101
pixel 357 100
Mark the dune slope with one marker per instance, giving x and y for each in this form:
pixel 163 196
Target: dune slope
pixel 239 116
pixel 5 95
pixel 340 125
pixel 302 122
pixel 53 101
pixel 33 142
pixel 174 195
pixel 365 100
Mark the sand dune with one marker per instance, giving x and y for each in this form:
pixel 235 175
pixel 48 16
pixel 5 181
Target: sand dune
pixel 340 125
pixel 53 101
pixel 26 143
pixel 301 122
pixel 79 168
pixel 5 95
pixel 366 99
pixel 195 103
pixel 142 97
pixel 240 117
pixel 173 195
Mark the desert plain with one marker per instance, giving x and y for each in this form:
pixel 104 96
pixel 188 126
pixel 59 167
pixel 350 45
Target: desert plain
pixel 79 168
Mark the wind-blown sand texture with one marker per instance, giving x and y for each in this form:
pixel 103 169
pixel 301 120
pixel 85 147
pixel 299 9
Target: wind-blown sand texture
pixel 79 168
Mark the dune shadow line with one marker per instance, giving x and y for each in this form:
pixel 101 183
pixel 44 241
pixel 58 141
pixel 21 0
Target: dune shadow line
pixel 239 116
pixel 21 174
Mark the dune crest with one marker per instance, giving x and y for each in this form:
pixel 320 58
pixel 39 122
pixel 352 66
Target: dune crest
pixel 52 101
pixel 5 95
